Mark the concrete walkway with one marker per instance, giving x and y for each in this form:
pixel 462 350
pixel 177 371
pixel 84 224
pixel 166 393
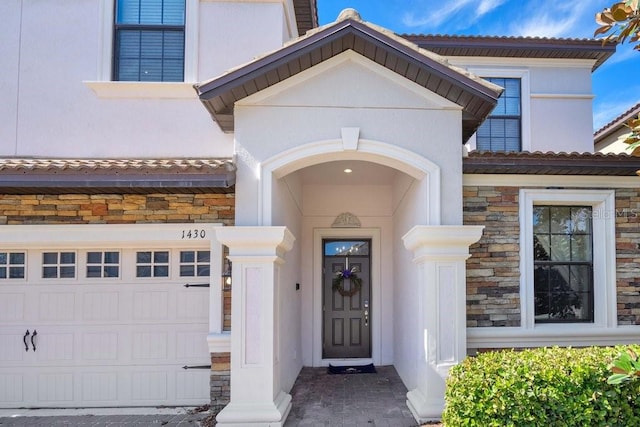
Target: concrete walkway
pixel 319 399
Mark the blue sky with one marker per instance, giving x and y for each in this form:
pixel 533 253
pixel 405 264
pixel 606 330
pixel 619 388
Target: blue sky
pixel 615 84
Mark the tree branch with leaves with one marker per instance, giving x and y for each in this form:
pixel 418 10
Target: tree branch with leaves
pixel 621 23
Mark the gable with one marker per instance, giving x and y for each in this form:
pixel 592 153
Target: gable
pixel 349 80
pixel 426 69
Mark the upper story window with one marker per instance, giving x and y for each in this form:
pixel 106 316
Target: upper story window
pixel 149 40
pixel 502 131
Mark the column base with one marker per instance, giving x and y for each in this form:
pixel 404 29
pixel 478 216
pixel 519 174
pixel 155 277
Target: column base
pixel 424 409
pixel 256 414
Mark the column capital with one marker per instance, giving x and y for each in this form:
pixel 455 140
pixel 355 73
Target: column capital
pixel 256 241
pixel 441 241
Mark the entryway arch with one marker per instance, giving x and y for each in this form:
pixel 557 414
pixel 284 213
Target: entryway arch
pixel 350 147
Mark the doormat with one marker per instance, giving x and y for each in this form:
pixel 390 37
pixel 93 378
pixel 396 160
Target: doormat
pixel 362 369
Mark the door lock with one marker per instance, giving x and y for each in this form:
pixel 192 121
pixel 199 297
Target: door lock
pixel 366 318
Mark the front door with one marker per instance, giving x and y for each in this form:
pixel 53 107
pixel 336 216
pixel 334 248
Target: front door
pixel 346 298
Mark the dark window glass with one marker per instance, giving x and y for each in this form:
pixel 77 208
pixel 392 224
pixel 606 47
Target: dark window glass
pixel 103 264
pixel 194 263
pixel 149 40
pixel 502 129
pixel 12 265
pixel 152 264
pixel 58 265
pixel 563 264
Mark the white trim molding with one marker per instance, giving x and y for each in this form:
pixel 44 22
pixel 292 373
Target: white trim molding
pixel 377 310
pixel 390 155
pixel 525 96
pixel 105 57
pixel 604 255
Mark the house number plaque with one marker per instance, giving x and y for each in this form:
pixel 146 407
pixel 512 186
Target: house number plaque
pixel 194 234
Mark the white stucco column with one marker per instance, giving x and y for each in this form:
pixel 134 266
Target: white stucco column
pixel 257 398
pixel 440 253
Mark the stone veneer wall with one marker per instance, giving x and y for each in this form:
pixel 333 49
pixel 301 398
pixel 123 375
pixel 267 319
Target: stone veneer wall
pixel 133 209
pixel 493 271
pixel 628 255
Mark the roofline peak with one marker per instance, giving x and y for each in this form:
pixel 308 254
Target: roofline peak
pixel 349 13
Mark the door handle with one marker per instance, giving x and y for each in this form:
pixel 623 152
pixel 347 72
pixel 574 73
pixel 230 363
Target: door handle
pixel 33 344
pixel 24 340
pixel 366 318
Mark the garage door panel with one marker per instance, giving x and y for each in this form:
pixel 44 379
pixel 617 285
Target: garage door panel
pixel 56 306
pixel 11 388
pixel 101 306
pixel 103 341
pixel 190 347
pixel 149 386
pixel 192 305
pixel 12 348
pixel 192 384
pixel 100 346
pixel 55 387
pixel 150 345
pixel 54 346
pixel 12 307
pixel 151 305
pixel 99 387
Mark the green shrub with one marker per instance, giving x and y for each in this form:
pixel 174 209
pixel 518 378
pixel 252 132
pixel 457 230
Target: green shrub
pixel 541 387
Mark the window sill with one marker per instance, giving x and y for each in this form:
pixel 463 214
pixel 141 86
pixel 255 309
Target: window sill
pixel 139 90
pixel 568 335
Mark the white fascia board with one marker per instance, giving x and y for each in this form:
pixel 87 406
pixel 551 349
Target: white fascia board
pixel 576 181
pixel 97 235
pixel 506 63
pixel 261 97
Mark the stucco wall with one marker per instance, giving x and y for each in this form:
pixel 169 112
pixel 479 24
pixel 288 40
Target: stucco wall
pixel 287 212
pixel 47 110
pixel 557 99
pixel 406 327
pixel 305 110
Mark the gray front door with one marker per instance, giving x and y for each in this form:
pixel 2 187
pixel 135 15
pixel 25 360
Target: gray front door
pixel 346 298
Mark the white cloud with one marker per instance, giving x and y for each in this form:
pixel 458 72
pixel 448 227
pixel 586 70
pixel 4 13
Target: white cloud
pixel 436 16
pixel 487 6
pixel 543 25
pixel 608 111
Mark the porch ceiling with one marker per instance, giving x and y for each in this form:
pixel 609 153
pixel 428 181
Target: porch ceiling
pixel 332 173
pixel 477 97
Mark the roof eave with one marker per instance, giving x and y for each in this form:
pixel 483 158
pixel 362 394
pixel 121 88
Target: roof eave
pixel 483 97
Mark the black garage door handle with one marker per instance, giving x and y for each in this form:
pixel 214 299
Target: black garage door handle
pixel 33 344
pixel 24 340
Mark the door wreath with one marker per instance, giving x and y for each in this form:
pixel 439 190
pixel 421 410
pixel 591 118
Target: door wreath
pixel 341 276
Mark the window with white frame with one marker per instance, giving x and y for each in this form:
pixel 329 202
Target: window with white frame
pixel 194 263
pixel 102 264
pixel 563 263
pixel 152 264
pixel 58 265
pixel 12 265
pixel 567 257
pixel 502 130
pixel 149 40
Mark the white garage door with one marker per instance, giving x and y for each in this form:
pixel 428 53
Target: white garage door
pixel 103 326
